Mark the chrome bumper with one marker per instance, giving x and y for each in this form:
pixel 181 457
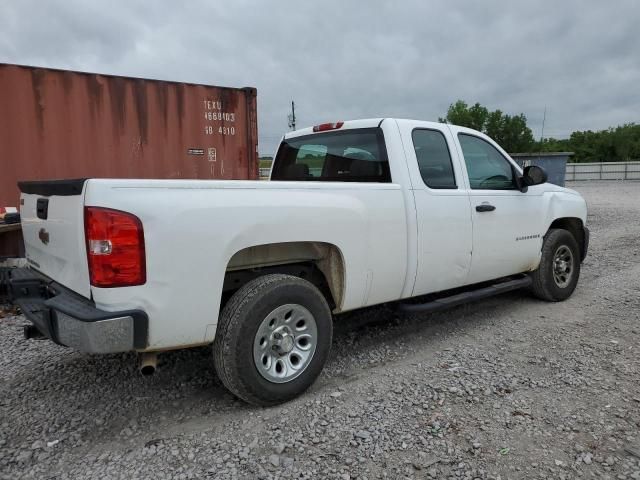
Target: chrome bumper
pixel 74 321
pixel 102 336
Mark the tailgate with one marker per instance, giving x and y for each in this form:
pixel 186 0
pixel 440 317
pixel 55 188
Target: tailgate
pixel 52 214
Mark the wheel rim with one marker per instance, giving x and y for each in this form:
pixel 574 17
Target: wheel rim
pixel 285 343
pixel 563 266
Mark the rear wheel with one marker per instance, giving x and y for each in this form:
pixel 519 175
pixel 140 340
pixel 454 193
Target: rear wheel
pixel 557 275
pixel 273 339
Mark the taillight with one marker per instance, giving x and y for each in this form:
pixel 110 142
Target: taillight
pixel 115 248
pixel 323 127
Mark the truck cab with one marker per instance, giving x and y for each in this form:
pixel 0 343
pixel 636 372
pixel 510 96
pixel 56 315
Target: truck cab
pixel 470 217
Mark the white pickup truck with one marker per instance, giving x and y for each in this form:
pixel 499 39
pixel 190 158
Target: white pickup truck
pixel 425 215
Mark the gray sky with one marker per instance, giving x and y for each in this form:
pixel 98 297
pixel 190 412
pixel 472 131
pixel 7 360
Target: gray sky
pixel 345 59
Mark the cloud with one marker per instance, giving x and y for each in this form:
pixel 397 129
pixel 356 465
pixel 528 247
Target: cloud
pixel 348 59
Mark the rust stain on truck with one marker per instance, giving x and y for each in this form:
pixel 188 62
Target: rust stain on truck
pixel 65 124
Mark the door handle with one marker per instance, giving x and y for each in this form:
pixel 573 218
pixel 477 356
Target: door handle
pixel 485 207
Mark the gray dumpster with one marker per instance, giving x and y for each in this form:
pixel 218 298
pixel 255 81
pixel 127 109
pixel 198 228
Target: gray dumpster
pixel 554 163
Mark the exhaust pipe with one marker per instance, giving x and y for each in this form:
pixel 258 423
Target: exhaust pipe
pixel 148 363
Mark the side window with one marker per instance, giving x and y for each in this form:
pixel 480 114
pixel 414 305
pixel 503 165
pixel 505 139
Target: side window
pixel 434 159
pixel 486 167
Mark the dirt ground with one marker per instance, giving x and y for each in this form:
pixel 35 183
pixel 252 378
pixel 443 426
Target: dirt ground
pixel 507 388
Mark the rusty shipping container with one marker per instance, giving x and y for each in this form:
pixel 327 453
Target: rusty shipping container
pixel 64 124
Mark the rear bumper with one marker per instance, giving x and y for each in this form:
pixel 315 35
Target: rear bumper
pixel 71 320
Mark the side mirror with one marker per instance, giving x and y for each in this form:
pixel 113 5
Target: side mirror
pixel 534 175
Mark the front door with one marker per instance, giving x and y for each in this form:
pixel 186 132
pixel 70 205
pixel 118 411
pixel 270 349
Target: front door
pixel 507 223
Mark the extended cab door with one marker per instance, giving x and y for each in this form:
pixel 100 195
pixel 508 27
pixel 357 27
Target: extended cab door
pixel 444 237
pixel 507 223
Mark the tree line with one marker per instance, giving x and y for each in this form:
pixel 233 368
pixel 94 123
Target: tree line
pixel 615 144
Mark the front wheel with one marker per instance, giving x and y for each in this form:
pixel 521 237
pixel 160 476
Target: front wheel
pixel 273 339
pixel 557 275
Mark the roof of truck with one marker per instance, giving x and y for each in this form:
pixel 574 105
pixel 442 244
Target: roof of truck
pixel 351 124
pixel 346 125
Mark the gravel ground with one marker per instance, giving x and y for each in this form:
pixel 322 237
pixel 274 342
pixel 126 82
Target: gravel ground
pixel 510 387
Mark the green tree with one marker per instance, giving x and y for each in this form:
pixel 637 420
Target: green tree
pixel 460 113
pixel 516 134
pixel 618 144
pixel 457 114
pixel 511 132
pixel 495 124
pixel 479 116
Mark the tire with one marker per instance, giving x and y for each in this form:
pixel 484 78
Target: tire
pixel 551 281
pixel 258 312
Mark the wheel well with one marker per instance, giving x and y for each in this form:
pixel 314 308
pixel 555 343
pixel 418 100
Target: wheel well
pixel 573 226
pixel 318 262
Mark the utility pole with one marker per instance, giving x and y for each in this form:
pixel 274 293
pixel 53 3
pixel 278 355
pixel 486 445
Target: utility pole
pixel 544 118
pixel 292 116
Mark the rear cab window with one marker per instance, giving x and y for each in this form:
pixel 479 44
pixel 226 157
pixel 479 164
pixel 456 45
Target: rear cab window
pixel 356 155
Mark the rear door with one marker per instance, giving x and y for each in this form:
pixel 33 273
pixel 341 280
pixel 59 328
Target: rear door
pixel 53 229
pixel 507 223
pixel 442 206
